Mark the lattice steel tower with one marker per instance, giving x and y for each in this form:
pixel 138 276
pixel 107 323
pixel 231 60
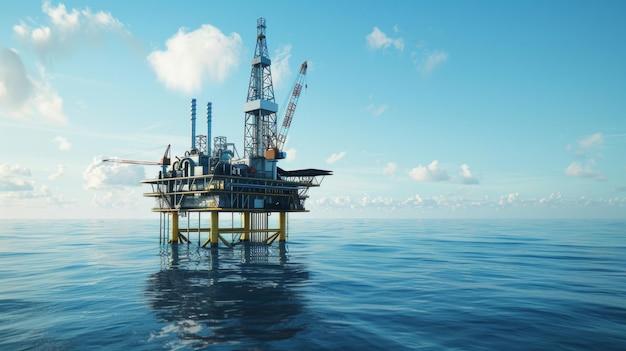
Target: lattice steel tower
pixel 260 108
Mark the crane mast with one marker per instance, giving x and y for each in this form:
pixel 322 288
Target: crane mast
pixel 291 109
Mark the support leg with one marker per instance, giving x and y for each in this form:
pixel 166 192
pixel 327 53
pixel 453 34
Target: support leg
pixel 174 236
pixel 215 228
pixel 245 236
pixel 282 226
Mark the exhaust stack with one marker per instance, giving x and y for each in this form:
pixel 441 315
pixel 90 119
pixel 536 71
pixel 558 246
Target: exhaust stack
pixel 209 116
pixel 193 123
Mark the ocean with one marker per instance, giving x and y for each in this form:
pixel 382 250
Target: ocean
pixel 414 284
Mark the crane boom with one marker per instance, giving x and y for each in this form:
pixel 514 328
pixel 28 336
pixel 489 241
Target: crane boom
pixel 132 162
pixel 291 107
pixel 165 160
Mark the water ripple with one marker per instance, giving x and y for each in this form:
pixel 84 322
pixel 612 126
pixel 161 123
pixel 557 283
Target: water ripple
pixel 349 285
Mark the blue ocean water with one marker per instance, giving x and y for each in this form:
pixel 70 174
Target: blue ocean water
pixel 335 285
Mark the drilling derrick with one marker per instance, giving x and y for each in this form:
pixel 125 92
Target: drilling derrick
pixel 260 109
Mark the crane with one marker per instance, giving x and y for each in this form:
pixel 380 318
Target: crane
pixel 281 138
pixel 165 160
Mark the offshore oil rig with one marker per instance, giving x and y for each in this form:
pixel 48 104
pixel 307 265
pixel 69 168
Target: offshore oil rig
pixel 214 179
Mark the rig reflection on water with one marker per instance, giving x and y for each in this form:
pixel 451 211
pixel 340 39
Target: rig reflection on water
pixel 245 296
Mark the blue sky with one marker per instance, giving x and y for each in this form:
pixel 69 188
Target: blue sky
pixel 421 109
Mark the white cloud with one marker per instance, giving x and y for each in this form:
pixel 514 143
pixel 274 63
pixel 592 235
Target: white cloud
pixel 60 171
pixel 433 60
pixel 414 200
pixel 466 175
pixel 15 184
pixel 99 175
pixel 11 178
pixel 280 66
pixel 387 204
pixel 13 170
pixel 61 32
pixel 65 31
pixel 339 201
pixel 62 142
pixel 365 201
pixel 424 59
pixel 378 201
pixel 59 16
pixel 390 169
pixel 591 141
pixel 552 199
pixel 23 96
pixel 427 61
pixel 508 199
pixel 48 104
pixel 586 148
pixel 33 198
pixel 430 173
pixel 377 40
pixel 577 169
pixel 192 57
pixel 382 206
pixel 291 155
pixel 17 87
pixel 377 111
pixel 335 157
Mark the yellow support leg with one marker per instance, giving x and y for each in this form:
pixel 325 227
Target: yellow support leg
pixel 215 228
pixel 174 236
pixel 245 236
pixel 282 226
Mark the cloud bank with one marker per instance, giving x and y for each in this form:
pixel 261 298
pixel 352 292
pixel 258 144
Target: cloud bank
pixel 457 202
